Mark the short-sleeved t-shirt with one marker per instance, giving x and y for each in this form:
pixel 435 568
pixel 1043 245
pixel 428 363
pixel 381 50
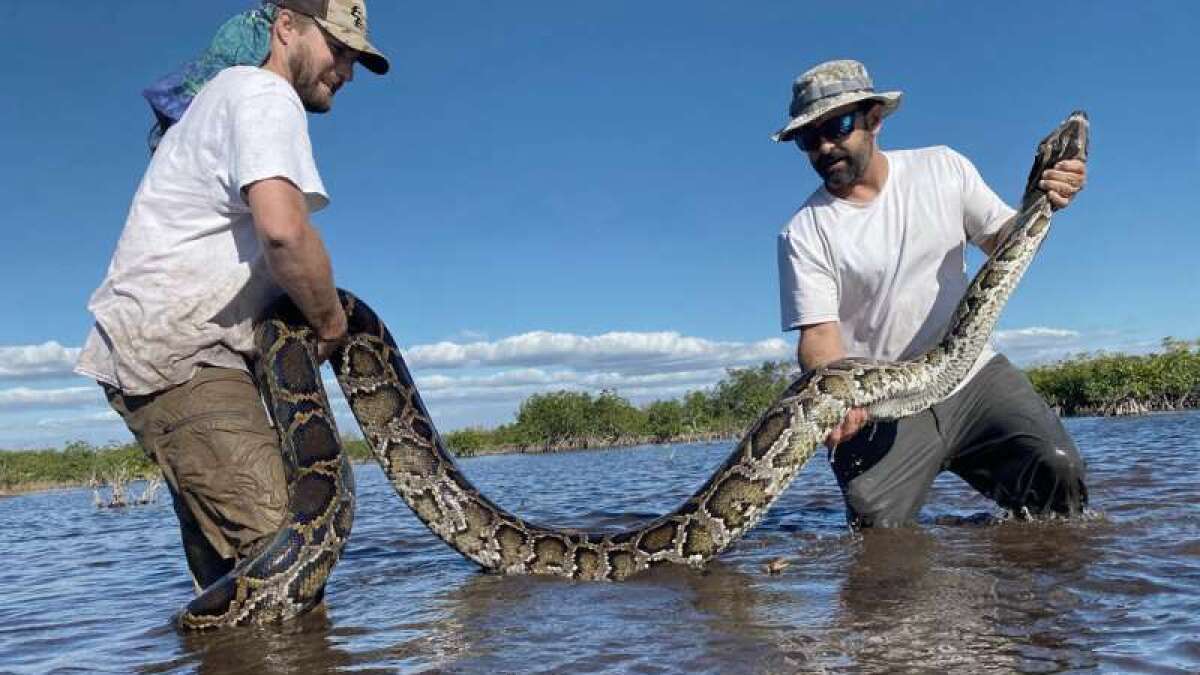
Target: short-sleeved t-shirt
pixel 891 271
pixel 188 278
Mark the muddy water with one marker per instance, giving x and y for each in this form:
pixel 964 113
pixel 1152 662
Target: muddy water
pixel 87 590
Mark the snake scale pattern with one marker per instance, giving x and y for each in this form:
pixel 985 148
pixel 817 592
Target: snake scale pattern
pixel 287 577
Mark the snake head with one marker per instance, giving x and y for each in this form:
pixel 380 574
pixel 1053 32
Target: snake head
pixel 1068 141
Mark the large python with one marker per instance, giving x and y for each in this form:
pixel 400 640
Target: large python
pixel 288 576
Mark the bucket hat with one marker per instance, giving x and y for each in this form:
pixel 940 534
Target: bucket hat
pixel 831 85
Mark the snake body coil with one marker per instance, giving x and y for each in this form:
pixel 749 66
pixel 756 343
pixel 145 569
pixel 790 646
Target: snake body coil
pixel 288 576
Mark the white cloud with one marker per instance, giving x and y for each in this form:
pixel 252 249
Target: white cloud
pixel 1037 344
pixel 626 352
pixel 46 359
pixel 1034 334
pixel 1040 345
pixel 25 397
pixel 539 377
pixel 470 383
pixel 88 420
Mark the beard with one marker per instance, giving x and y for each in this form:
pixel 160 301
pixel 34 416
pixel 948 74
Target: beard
pixel 314 94
pixel 840 176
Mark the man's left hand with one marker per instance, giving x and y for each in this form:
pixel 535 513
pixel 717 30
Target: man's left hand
pixel 1063 182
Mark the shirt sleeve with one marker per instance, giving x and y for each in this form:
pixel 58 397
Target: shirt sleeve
pixel 808 290
pixel 983 211
pixel 270 140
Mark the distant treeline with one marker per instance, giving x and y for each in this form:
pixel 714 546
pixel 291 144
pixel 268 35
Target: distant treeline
pixel 81 463
pixel 78 463
pixel 564 420
pixel 1118 384
pixel 1096 384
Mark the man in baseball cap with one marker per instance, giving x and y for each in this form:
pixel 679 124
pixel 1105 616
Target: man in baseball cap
pixel 872 265
pixel 220 226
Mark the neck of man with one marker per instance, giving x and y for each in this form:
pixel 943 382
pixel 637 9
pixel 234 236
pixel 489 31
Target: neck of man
pixel 870 185
pixel 277 63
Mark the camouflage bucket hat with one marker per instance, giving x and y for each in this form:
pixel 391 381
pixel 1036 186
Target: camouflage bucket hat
pixel 345 20
pixel 831 85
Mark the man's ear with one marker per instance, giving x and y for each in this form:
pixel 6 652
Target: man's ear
pixel 285 25
pixel 874 119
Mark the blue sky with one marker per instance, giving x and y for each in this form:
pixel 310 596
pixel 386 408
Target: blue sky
pixel 548 195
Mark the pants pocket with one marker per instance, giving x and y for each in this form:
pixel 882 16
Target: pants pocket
pixel 231 476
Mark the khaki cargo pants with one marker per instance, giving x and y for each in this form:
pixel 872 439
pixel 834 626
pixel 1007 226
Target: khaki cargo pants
pixel 220 457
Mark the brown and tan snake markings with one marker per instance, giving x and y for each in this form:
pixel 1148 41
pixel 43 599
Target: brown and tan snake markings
pixel 288 576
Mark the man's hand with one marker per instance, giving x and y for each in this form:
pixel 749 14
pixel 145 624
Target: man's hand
pixel 331 338
pixel 821 344
pixel 1063 182
pixel 854 420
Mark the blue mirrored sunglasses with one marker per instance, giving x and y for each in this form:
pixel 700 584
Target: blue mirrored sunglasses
pixel 808 138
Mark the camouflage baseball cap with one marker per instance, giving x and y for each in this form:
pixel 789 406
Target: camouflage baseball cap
pixel 830 85
pixel 345 20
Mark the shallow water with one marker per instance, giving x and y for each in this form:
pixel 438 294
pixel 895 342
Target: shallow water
pixel 87 590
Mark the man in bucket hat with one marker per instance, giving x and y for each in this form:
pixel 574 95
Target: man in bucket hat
pixel 219 227
pixel 872 265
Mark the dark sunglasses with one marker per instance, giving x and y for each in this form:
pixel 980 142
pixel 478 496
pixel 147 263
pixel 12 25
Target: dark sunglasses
pixel 808 138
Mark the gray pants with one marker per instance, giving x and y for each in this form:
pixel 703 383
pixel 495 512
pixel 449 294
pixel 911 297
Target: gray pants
pixel 995 433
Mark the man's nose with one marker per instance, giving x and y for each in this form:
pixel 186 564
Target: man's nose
pixel 346 70
pixel 825 146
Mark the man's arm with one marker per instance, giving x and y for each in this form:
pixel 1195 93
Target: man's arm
pixel 821 343
pixel 989 244
pixel 297 258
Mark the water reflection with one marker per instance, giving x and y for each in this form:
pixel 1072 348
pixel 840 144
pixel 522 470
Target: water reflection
pixel 990 598
pixel 304 645
pixel 898 605
pixel 682 620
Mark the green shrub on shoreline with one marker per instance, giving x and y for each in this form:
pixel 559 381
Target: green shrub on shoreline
pixel 570 420
pixel 76 464
pixel 81 463
pixel 1096 384
pixel 1119 384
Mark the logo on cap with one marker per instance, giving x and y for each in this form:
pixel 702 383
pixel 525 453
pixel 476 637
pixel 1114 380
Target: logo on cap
pixel 357 13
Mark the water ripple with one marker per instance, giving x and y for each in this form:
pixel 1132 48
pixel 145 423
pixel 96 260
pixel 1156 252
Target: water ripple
pixel 1118 591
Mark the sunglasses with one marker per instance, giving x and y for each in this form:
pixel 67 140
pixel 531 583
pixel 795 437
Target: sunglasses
pixel 809 138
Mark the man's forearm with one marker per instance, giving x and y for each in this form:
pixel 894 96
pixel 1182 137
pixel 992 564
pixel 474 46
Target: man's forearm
pixel 300 265
pixel 295 255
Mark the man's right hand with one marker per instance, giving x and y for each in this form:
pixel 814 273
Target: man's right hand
pixel 851 423
pixel 331 337
pixel 821 344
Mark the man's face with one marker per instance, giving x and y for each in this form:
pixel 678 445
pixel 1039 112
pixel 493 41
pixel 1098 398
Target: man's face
pixel 839 146
pixel 320 65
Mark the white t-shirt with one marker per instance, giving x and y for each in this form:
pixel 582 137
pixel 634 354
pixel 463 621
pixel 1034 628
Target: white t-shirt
pixel 188 278
pixel 891 270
